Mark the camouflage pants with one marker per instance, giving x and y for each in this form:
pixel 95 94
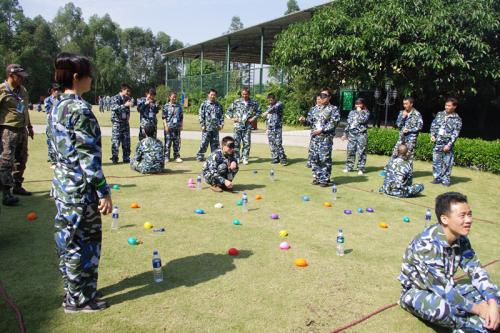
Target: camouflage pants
pixel 173 139
pixel 208 137
pixel 223 171
pixel 142 135
pixel 242 141
pixel 13 156
pixel 321 157
pixel 52 156
pixel 356 144
pixel 142 168
pixel 78 243
pixel 275 138
pixel 433 308
pixel 442 163
pixel 403 191
pixel 120 134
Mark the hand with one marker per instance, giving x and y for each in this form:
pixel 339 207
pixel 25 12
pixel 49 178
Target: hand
pixel 236 120
pixel 302 119
pixel 264 114
pixel 167 129
pixel 220 128
pixel 405 113
pixel 446 148
pixel 433 138
pixel 344 137
pixel 31 133
pixel 317 132
pixel 228 184
pixel 233 166
pixel 105 205
pixel 203 129
pixel 128 104
pixel 406 130
pixel 492 319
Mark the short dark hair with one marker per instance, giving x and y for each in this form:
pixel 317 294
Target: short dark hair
pixel 325 89
pixel 409 99
pixel 452 100
pixel 125 86
pixel 173 92
pixel 271 95
pixel 227 139
pixel 244 89
pixel 360 101
pixel 68 64
pixel 54 87
pixel 151 91
pixel 149 130
pixel 212 90
pixel 444 202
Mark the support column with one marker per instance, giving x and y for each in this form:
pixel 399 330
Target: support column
pixel 182 74
pixel 201 70
pixel 228 55
pixel 261 59
pixel 166 74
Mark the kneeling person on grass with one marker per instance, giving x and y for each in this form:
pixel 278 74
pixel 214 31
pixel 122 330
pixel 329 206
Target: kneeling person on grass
pixel 149 156
pixel 221 166
pixel 431 260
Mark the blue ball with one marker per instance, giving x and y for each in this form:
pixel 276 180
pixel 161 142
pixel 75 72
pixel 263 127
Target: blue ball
pixel 199 211
pixel 406 219
pixel 236 222
pixel 360 210
pixel 382 173
pixel 305 198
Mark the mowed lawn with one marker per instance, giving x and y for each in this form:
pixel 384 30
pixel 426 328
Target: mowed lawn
pixel 260 290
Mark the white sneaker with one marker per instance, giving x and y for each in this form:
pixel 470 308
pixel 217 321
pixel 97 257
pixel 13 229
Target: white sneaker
pixel 360 173
pixel 167 159
pixel 345 170
pixel 179 160
pixel 245 161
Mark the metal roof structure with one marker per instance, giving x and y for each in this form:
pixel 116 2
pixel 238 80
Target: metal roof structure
pixel 249 45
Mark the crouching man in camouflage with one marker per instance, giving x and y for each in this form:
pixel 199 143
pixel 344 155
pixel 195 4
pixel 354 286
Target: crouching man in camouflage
pixel 398 179
pixel 221 166
pixel 149 156
pixel 430 261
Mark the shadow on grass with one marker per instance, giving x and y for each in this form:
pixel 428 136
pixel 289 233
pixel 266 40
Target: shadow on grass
pixel 417 174
pixel 350 179
pixel 246 187
pixel 187 271
pixel 373 169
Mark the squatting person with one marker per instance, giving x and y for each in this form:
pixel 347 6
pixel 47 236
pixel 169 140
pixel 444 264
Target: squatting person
pixel 221 167
pixel 149 156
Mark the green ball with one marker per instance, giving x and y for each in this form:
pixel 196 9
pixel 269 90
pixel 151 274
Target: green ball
pixel 406 219
pixel 239 202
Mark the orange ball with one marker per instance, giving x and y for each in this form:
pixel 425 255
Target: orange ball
pixel 300 262
pixel 31 216
pixel 134 205
pixel 258 197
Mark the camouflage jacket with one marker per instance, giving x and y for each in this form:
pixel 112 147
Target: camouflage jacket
pixel 241 112
pixel 211 116
pixel 430 262
pixel 445 128
pixel 76 139
pixel 275 116
pixel 49 102
pixel 173 115
pixel 412 123
pixel 149 153
pixel 325 117
pixel 357 122
pixel 398 175
pixel 119 112
pixel 147 112
pixel 215 162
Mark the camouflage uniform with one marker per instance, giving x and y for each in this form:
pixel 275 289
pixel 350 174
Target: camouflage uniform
pixel 321 146
pixel 445 128
pixel 14 120
pixel 49 103
pixel 216 168
pixel 147 115
pixel 356 133
pixel 399 179
pixel 121 129
pixel 149 156
pixel 413 123
pixel 211 118
pixel 275 131
pixel 173 116
pixel 429 290
pixel 242 111
pixel 78 185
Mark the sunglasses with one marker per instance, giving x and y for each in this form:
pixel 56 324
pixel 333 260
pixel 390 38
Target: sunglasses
pixel 323 95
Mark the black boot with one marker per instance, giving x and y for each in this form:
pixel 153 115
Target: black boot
pixel 19 190
pixel 9 199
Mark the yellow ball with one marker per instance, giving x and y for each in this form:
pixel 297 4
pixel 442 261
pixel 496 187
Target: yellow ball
pixel 148 225
pixel 283 233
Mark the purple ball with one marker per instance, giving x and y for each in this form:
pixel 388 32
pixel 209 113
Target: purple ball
pixel 275 216
pixel 347 211
pixel 370 210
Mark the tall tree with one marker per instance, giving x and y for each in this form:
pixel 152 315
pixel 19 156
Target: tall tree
pixel 235 25
pixel 71 31
pixel 291 7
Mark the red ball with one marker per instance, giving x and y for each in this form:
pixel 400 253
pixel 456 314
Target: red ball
pixel 232 251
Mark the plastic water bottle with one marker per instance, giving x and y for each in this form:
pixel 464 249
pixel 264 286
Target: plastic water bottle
pixel 114 217
pixel 244 203
pixel 334 191
pixel 157 272
pixel 340 243
pixel 198 183
pixel 428 217
pixel 271 174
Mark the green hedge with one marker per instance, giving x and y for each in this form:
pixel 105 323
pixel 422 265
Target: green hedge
pixel 472 153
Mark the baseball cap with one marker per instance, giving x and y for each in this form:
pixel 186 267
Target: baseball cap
pixel 16 69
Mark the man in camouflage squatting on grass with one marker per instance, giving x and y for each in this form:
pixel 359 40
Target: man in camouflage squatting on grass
pixel 244 111
pixel 274 122
pixel 221 167
pixel 429 264
pixel 79 187
pixel 323 119
pixel 120 116
pixel 211 118
pixel 149 156
pixel 148 109
pixel 445 129
pixel 356 134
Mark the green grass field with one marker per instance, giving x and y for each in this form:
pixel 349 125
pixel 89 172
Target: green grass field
pixel 206 290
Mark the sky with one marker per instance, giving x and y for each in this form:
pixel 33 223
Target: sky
pixel 190 21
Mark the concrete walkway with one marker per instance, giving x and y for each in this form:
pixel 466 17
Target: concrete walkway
pixel 290 138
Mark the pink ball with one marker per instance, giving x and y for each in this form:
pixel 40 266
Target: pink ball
pixel 284 245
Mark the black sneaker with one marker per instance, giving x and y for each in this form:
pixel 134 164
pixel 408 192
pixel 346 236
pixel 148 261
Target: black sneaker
pixel 284 162
pixel 315 182
pixel 114 160
pixel 435 181
pixel 9 199
pixel 126 160
pixel 308 165
pixel 20 191
pixel 275 161
pixel 92 306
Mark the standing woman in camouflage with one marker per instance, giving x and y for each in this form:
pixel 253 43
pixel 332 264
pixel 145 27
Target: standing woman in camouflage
pixel 356 134
pixel 79 186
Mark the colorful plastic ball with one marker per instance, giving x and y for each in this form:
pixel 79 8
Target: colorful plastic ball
pixel 284 246
pixel 327 204
pixel 191 185
pixel 406 219
pixel 190 181
pixel 258 197
pixel 283 233
pixel 31 216
pixel 232 251
pixel 218 205
pixel 347 211
pixel 383 225
pixel 239 203
pixel 370 210
pixel 116 187
pixel 275 216
pixel 236 222
pixel 382 173
pixel 148 225
pixel 132 241
pixel 134 205
pixel 305 198
pixel 300 262
pixel 199 211
pixel 360 210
